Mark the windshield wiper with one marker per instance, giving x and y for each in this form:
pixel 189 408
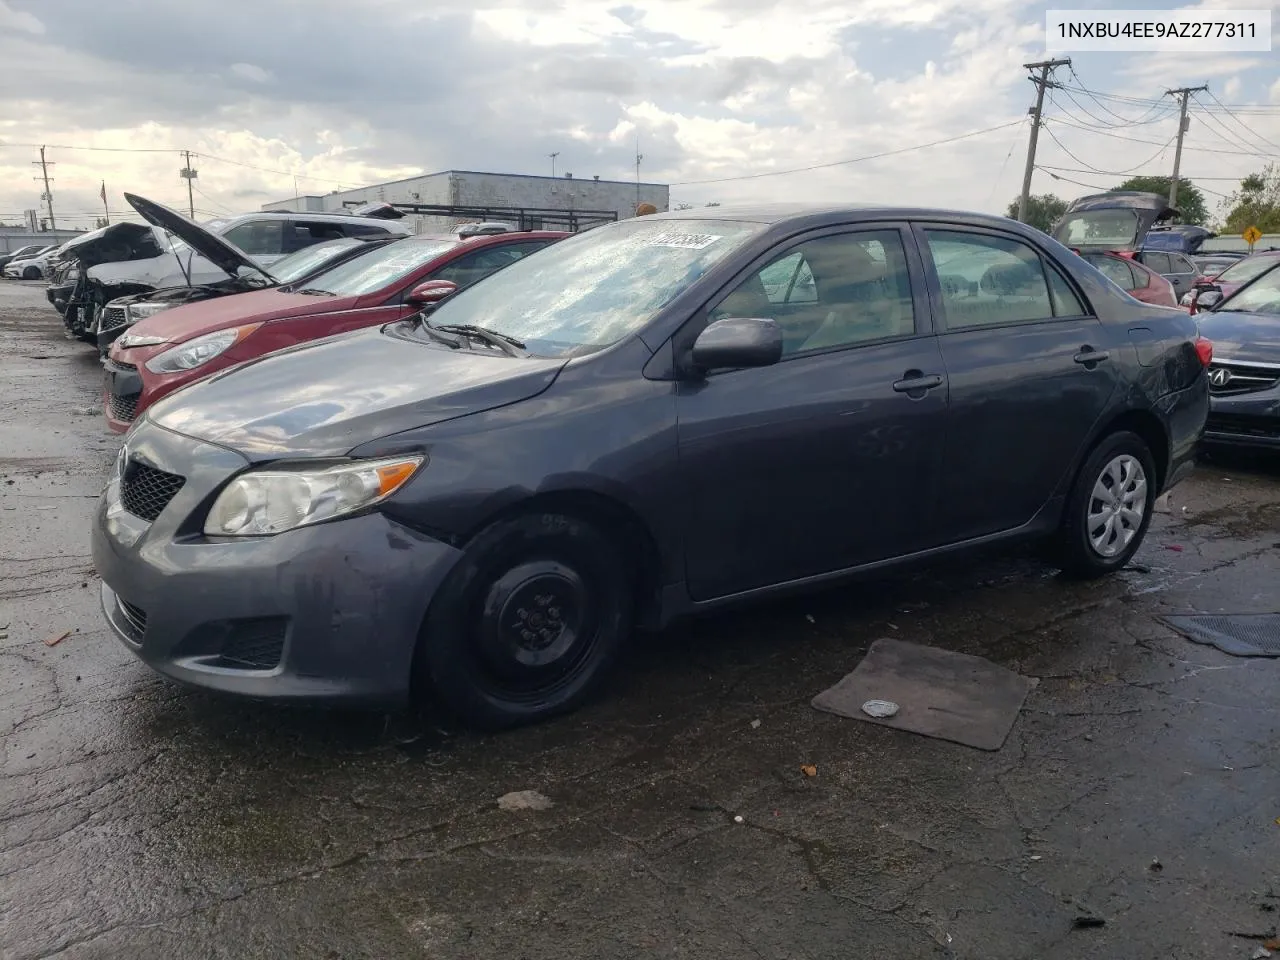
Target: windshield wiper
pixel 420 323
pixel 315 292
pixel 507 344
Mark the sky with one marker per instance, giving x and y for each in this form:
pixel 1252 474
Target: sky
pixel 284 97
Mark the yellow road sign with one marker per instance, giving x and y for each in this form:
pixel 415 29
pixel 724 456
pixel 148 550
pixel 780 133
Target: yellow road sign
pixel 1251 235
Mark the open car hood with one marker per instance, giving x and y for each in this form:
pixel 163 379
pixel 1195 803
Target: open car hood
pixel 1118 220
pixel 105 244
pixel 225 256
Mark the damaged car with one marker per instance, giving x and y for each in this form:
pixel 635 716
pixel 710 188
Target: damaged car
pixel 122 313
pixel 126 259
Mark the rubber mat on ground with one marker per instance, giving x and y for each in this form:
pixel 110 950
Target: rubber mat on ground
pixel 1239 634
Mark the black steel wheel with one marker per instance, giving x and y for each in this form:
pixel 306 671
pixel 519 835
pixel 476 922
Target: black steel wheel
pixel 528 624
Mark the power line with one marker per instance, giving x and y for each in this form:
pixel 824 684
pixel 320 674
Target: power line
pixel 839 163
pixel 1194 181
pixel 1116 173
pixel 1149 101
pixel 1253 133
pixel 1156 143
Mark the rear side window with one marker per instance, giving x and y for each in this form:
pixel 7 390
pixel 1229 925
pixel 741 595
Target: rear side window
pixel 1116 270
pixel 988 280
pixel 259 238
pixel 362 230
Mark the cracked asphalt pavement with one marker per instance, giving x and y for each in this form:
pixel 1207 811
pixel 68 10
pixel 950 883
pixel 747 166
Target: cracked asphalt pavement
pixel 1140 786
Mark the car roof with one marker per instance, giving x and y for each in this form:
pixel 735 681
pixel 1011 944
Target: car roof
pixel 776 213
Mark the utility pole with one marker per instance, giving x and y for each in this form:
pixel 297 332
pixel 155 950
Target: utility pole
pixel 1046 67
pixel 553 162
pixel 47 196
pixel 639 157
pixel 187 174
pixel 1182 93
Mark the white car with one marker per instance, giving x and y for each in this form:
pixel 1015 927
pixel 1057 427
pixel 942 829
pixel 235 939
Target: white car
pixel 32 267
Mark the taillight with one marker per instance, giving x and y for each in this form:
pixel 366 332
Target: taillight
pixel 1204 350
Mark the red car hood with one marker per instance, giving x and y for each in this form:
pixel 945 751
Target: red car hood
pixel 182 323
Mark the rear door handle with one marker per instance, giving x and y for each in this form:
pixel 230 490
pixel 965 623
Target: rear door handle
pixel 917 384
pixel 1088 355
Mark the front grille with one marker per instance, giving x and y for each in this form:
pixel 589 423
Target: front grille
pixel 135 617
pixel 146 491
pixel 110 318
pixel 255 644
pixel 117 367
pixel 1228 377
pixel 1266 428
pixel 125 408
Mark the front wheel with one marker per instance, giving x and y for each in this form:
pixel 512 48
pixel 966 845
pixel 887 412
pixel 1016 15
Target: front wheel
pixel 30 273
pixel 528 624
pixel 1109 508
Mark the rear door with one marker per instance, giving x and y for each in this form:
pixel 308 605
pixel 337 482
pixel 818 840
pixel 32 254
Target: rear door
pixel 1030 369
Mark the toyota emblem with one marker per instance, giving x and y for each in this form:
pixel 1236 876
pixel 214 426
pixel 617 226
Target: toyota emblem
pixel 1219 376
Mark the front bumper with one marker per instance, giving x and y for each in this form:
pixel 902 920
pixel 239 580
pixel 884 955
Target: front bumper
pixel 327 614
pixel 1245 420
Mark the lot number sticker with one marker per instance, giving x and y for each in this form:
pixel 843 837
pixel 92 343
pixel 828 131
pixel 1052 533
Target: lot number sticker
pixel 686 241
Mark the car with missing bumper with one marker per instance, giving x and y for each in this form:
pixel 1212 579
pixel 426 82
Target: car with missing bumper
pixel 1244 378
pixel 478 504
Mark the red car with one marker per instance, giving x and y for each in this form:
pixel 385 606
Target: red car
pixel 1213 290
pixel 165 352
pixel 1136 279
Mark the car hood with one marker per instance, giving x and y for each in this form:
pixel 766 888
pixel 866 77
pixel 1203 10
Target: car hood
pixel 198 292
pixel 99 246
pixel 256 306
pixel 1245 337
pixel 222 254
pixel 1148 210
pixel 323 399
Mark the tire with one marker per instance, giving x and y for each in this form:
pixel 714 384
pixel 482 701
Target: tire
pixel 1087 547
pixel 538 586
pixel 30 273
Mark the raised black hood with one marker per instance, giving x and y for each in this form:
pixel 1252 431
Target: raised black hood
pixel 119 241
pixel 225 256
pixel 1244 337
pixel 325 398
pixel 1132 214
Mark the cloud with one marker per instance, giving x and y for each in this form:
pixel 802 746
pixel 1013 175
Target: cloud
pixel 264 93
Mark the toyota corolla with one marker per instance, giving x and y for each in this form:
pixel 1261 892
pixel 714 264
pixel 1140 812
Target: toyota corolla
pixel 667 414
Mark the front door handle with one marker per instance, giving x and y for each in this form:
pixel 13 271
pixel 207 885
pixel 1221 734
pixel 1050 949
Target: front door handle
pixel 916 383
pixel 1089 356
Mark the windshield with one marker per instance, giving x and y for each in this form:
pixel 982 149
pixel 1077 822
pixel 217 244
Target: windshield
pixel 308 260
pixel 1242 271
pixel 1261 296
pixel 1099 228
pixel 381 267
pixel 595 288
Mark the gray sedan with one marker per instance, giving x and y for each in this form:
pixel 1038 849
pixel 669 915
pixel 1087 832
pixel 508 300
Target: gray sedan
pixel 661 416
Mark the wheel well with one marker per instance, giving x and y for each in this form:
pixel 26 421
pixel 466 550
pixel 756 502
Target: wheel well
pixel 1148 426
pixel 635 541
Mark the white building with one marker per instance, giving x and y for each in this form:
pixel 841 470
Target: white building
pixel 554 203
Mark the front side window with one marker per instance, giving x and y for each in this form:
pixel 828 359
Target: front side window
pixel 1159 262
pixel 474 267
pixel 258 238
pixel 988 280
pixel 593 289
pixel 379 268
pixel 830 292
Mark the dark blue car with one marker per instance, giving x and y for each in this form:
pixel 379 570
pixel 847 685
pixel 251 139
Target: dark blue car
pixel 664 415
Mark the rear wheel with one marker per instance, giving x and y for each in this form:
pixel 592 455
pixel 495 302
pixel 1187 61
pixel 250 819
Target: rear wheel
pixel 1109 508
pixel 31 273
pixel 528 624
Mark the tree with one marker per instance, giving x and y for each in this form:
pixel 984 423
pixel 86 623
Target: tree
pixel 1256 203
pixel 1043 211
pixel 1190 200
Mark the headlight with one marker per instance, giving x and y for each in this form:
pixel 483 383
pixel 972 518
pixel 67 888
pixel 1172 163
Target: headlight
pixel 140 311
pixel 263 502
pixel 193 353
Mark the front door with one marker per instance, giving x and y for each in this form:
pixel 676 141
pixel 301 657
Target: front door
pixel 1029 370
pixel 829 458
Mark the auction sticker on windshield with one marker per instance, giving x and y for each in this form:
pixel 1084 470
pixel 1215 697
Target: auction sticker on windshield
pixel 686 241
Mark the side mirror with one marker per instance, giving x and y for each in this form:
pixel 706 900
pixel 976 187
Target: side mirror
pixel 432 291
pixel 1208 297
pixel 738 342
